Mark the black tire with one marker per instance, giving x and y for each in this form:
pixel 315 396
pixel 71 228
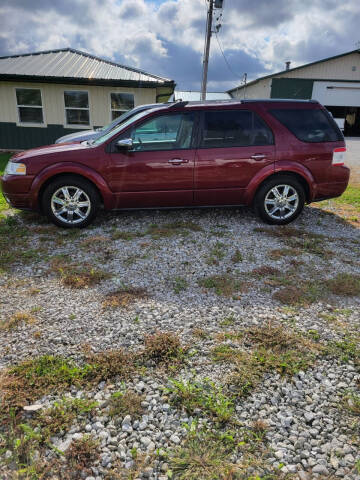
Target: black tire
pixel 89 196
pixel 264 196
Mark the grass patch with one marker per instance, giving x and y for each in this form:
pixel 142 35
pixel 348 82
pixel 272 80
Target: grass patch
pixel 123 297
pixel 17 319
pixel 61 415
pixel 127 236
pixel 270 348
pixel 180 284
pixel 237 256
pixel 81 455
pixel 351 403
pixel 76 276
pixel 173 228
pixel 93 242
pixel 164 348
pixel 345 284
pixel 126 403
pixel 217 253
pixel 204 397
pixel 225 284
pixel 29 380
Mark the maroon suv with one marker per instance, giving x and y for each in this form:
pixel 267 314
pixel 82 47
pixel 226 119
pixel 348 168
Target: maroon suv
pixel 275 155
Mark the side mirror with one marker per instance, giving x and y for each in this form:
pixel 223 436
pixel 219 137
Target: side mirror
pixel 124 144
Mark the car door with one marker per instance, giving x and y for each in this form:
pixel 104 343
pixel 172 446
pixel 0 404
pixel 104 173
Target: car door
pixel 159 169
pixel 234 145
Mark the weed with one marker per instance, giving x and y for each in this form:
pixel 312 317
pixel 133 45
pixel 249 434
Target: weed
pixel 217 252
pixel 347 349
pixel 126 403
pixel 265 270
pixel 237 256
pixel 76 276
pixel 94 242
pixel 278 253
pixel 305 293
pixel 228 321
pixel 82 454
pixel 163 347
pixel 127 236
pixel 62 414
pixel 345 284
pixel 180 284
pixel 123 297
pixel 171 229
pixel 273 348
pixel 16 319
pixel 225 284
pixel 205 397
pixel 205 455
pixel 199 332
pixel 351 402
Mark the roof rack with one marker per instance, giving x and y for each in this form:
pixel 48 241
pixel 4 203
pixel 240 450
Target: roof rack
pixel 178 103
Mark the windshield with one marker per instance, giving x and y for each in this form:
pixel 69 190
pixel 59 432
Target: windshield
pixel 121 126
pixel 115 122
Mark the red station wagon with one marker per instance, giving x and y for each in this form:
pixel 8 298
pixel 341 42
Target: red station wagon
pixel 274 155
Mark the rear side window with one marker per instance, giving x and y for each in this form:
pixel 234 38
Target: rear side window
pixel 309 125
pixel 234 128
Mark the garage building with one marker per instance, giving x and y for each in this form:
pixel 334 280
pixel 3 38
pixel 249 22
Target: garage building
pixel 334 82
pixel 45 95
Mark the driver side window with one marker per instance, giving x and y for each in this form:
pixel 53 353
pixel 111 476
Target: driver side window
pixel 165 132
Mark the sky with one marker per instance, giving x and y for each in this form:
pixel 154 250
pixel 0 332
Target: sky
pixel 166 37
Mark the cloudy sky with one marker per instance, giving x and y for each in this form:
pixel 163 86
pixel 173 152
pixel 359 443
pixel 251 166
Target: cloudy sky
pixel 166 37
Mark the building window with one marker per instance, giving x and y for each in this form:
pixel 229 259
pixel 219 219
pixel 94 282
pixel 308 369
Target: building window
pixel 29 105
pixel 76 107
pixel 120 103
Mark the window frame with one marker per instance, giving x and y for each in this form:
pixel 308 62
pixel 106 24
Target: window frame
pixel 256 114
pixel 19 123
pixel 116 110
pixel 74 125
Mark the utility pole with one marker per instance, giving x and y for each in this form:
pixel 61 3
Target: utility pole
pixel 207 49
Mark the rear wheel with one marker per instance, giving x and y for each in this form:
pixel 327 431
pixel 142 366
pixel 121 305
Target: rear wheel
pixel 280 200
pixel 70 202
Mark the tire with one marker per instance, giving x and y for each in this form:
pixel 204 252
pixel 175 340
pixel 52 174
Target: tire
pixel 70 202
pixel 287 196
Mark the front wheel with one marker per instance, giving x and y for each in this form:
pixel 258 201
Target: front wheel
pixel 70 202
pixel 280 200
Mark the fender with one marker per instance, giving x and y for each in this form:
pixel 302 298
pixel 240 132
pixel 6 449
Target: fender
pixel 71 167
pixel 282 166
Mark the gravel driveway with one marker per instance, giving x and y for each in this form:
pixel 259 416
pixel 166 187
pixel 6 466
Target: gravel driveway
pixel 207 276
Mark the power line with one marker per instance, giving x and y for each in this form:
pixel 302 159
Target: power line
pixel 226 60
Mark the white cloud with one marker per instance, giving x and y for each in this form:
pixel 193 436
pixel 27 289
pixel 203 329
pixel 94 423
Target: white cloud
pixel 167 38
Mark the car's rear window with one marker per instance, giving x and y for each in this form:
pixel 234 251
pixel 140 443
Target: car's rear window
pixel 309 125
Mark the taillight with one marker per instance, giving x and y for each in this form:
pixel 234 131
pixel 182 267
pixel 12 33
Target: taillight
pixel 339 156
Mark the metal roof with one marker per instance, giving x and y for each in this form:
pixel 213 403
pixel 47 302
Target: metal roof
pixel 69 63
pixel 252 82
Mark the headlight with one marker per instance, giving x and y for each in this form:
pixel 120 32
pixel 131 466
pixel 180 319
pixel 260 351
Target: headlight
pixel 13 168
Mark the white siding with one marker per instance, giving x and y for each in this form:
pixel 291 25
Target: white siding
pixel 53 101
pixel 260 89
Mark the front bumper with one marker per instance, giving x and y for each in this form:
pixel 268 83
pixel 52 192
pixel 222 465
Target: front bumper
pixel 16 191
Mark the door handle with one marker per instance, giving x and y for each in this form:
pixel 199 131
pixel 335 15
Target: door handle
pixel 258 156
pixel 177 161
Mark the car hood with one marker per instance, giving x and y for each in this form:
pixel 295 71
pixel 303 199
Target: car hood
pixel 78 136
pixel 48 150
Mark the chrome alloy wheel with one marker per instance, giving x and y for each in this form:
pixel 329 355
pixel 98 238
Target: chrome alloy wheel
pixel 281 202
pixel 70 204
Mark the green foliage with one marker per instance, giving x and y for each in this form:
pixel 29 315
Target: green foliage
pixel 206 396
pixel 180 284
